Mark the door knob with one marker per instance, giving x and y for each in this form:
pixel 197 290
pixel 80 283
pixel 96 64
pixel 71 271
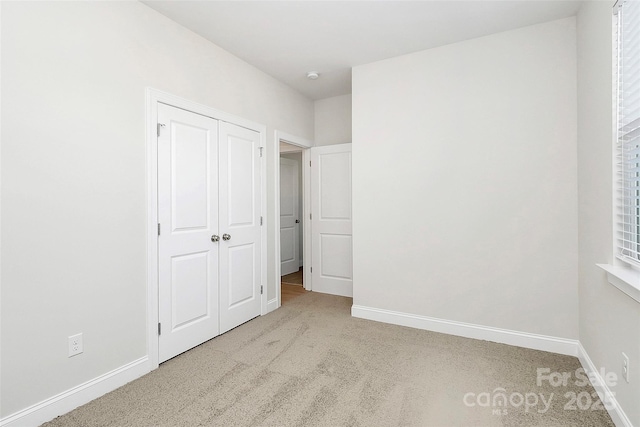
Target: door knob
pixel 297 221
pixel 215 238
pixel 226 237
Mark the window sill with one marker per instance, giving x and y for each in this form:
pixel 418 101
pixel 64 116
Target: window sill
pixel 626 279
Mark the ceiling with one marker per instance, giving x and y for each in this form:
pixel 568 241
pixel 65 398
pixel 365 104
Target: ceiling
pixel 286 39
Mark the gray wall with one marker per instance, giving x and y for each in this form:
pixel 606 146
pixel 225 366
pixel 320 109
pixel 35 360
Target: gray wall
pixel 332 120
pixel 465 182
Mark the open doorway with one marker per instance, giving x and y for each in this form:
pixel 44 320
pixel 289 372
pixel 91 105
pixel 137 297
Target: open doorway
pixel 291 225
pixel 326 194
pixel 298 149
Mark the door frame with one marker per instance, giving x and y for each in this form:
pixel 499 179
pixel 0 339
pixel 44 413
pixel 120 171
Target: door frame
pixel 305 145
pixel 153 98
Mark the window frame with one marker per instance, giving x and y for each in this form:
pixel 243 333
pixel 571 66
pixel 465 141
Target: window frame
pixel 626 153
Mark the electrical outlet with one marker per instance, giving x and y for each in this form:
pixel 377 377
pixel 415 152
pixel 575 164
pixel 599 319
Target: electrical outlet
pixel 75 345
pixel 625 367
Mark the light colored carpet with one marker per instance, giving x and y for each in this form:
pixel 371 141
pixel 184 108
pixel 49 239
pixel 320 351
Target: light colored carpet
pixel 311 364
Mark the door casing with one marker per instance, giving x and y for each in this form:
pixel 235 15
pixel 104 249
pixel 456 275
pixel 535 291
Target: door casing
pixel 153 98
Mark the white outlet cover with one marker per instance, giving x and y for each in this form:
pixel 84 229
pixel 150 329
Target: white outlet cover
pixel 75 345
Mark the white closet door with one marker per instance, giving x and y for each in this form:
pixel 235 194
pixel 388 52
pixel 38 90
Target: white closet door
pixel 240 225
pixel 289 217
pixel 331 219
pixel 188 216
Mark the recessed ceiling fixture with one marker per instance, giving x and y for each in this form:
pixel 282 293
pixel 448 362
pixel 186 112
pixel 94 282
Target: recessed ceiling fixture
pixel 312 75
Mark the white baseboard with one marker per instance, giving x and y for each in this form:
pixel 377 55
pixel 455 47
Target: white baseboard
pixel 272 305
pixel 616 413
pixel 64 402
pixel 84 393
pixel 468 330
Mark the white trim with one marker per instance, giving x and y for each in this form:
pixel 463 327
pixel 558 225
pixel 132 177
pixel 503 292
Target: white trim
pixel 276 219
pixel 468 330
pixel 614 142
pixel 306 184
pixel 616 413
pixel 68 400
pixel 272 305
pixel 153 97
pixel 307 278
pixel 194 107
pixel 627 279
pixel 293 140
pixel 264 308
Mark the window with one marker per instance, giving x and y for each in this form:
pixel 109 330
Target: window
pixel 627 41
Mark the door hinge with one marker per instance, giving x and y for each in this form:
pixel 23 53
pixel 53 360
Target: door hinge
pixel 158 229
pixel 160 125
pixel 260 220
pixel 311 270
pixel 159 328
pixel 310 216
pixel 309 163
pixel 261 289
pixel 260 151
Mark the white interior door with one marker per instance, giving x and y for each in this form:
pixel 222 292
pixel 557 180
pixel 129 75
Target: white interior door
pixel 240 242
pixel 188 216
pixel 289 217
pixel 331 219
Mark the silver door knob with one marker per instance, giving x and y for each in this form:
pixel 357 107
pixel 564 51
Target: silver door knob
pixel 226 237
pixel 215 238
pixel 297 221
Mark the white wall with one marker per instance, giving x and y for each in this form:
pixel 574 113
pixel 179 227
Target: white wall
pixel 464 182
pixel 73 176
pixel 333 120
pixel 298 157
pixel 609 319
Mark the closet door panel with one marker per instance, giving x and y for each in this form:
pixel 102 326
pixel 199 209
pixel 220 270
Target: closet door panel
pixel 240 259
pixel 188 217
